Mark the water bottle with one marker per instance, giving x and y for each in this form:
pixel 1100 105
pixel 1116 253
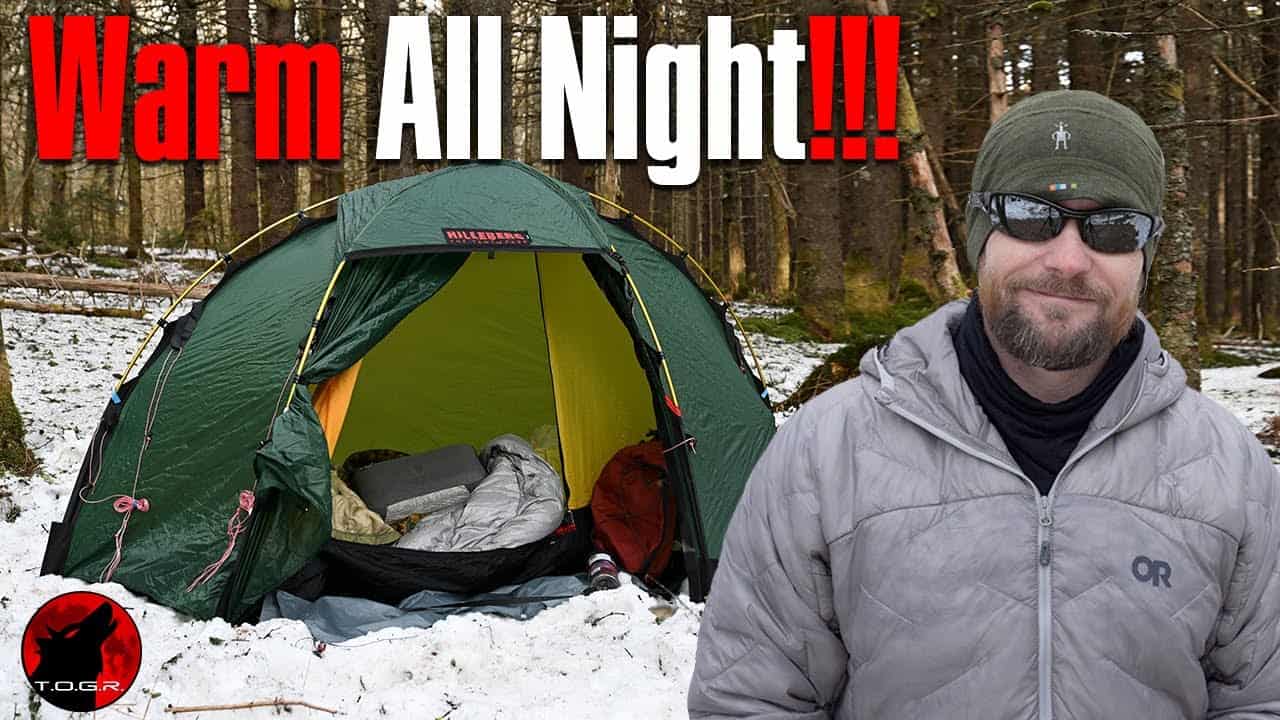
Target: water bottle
pixel 603 573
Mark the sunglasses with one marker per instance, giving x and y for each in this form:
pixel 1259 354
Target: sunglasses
pixel 1033 219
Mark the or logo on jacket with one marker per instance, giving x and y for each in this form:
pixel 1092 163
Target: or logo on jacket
pixel 1154 571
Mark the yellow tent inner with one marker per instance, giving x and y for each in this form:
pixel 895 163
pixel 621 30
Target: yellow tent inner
pixel 522 343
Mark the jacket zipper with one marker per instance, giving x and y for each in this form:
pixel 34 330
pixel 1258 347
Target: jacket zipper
pixel 1044 536
pixel 1044 607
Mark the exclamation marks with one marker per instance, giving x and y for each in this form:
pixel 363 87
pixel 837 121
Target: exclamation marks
pixel 822 66
pixel 853 38
pixel 886 30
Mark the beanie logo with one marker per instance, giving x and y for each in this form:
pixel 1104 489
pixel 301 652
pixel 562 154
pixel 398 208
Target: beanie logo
pixel 1060 137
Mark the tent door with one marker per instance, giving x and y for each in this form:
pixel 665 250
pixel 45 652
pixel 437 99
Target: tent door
pixel 520 342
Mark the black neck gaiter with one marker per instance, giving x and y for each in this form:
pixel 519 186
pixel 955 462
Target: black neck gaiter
pixel 1039 435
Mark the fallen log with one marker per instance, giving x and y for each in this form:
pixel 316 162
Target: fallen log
pixel 34 256
pixel 87 310
pixel 16 235
pixel 45 281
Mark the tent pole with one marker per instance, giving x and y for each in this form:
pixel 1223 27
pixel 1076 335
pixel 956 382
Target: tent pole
pixel 212 268
pixel 736 320
pixel 311 336
pixel 652 331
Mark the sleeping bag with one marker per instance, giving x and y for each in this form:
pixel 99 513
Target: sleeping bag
pixel 520 500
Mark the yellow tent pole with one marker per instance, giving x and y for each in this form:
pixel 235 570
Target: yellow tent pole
pixel 194 283
pixel 652 331
pixel 736 320
pixel 311 336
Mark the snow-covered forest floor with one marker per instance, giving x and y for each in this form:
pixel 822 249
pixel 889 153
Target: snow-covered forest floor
pixel 603 655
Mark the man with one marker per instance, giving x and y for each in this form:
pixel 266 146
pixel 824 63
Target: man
pixel 1018 510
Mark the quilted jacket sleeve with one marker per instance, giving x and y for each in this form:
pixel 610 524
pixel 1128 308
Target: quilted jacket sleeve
pixel 768 646
pixel 1244 666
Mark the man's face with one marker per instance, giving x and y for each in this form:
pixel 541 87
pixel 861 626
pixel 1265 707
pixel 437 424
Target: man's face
pixel 1057 304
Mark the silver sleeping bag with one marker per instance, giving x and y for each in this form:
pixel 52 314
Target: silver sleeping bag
pixel 520 500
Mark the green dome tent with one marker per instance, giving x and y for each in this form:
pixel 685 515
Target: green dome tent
pixel 443 308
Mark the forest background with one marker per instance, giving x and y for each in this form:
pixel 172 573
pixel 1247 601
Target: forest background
pixel 858 249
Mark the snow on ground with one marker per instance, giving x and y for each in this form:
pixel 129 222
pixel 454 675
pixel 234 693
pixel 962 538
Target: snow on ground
pixel 1240 389
pixel 603 655
pixel 785 364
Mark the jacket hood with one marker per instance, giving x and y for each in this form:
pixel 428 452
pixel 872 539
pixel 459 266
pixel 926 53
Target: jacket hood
pixel 919 377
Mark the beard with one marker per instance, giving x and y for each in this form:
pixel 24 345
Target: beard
pixel 1053 343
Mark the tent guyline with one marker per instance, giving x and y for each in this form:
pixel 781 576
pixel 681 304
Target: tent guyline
pixel 427 312
pixel 126 504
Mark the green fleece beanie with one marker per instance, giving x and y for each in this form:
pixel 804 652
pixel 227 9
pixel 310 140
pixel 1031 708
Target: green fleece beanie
pixel 1066 145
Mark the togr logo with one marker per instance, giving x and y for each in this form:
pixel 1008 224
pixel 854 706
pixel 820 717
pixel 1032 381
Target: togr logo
pixel 81 651
pixel 1145 569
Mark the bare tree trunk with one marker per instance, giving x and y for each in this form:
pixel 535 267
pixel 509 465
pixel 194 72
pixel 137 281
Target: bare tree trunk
pixel 1236 225
pixel 731 209
pixel 193 218
pixel 934 81
pixel 56 223
pixel 326 176
pixel 997 83
pixel 928 220
pixel 636 188
pixel 1045 54
pixel 4 176
pixel 28 165
pixel 245 219
pixel 716 252
pixel 1215 253
pixel 14 455
pixel 133 168
pixel 218 229
pixel 873 210
pixel 1267 236
pixel 376 17
pixel 777 275
pixel 664 211
pixel 972 110
pixel 1085 54
pixel 751 240
pixel 277 179
pixel 1171 297
pixel 819 250
pixel 1201 102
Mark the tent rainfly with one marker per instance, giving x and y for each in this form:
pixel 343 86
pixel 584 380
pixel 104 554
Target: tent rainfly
pixel 443 308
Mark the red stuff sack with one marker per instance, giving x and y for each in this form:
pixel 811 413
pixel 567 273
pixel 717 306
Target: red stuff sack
pixel 634 510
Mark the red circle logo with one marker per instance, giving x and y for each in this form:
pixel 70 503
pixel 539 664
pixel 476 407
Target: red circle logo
pixel 81 651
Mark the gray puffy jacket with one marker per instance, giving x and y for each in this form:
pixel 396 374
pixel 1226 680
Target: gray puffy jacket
pixel 890 560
